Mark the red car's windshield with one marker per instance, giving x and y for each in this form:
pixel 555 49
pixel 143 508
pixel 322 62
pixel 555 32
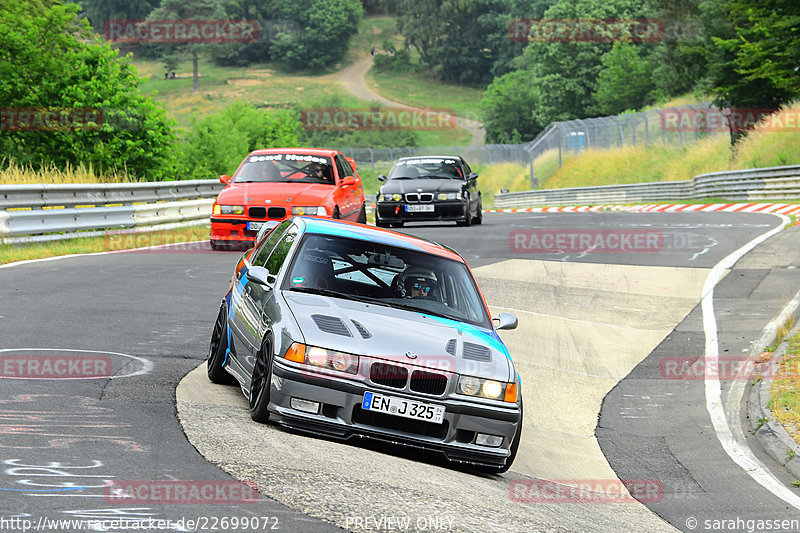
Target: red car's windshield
pixel 286 168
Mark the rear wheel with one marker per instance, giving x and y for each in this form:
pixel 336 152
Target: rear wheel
pixel 260 383
pixel 217 351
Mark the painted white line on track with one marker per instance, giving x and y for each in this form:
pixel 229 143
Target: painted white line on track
pixel 736 450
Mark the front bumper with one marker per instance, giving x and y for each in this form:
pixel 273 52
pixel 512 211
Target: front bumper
pixel 442 210
pixel 341 417
pixel 235 230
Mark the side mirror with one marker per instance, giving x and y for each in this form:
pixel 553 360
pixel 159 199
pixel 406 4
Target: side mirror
pixel 260 275
pixel 225 179
pixel 349 181
pixel 505 321
pixel 352 162
pixel 473 175
pixel 382 178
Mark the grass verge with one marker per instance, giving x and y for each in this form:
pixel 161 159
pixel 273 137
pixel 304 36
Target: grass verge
pixel 785 390
pixel 11 253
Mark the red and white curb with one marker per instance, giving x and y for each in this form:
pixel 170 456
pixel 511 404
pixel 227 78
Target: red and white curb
pixel 783 209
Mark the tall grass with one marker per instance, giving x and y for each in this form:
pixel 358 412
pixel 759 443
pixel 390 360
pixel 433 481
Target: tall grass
pixel 12 173
pixel 773 142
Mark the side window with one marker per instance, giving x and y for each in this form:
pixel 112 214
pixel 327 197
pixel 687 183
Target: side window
pixel 278 257
pixel 467 170
pixel 260 256
pixel 344 167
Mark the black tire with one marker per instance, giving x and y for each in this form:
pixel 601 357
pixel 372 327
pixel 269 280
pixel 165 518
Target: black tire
pixel 362 215
pixel 336 213
pixel 260 383
pixel 479 216
pixel 513 449
pixel 217 349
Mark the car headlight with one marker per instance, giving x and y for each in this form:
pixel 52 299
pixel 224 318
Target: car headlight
pixel 310 210
pixel 228 209
pixel 447 196
pixel 487 388
pixel 322 358
pixel 391 197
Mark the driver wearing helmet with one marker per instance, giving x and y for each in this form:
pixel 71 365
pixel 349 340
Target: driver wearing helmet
pixel 416 282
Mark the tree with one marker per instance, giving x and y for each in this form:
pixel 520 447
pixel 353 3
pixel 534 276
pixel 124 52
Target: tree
pixel 322 31
pixel 625 82
pixel 459 40
pixel 509 109
pixel 188 10
pixel 75 77
pixel 99 12
pixel 216 144
pixel 566 72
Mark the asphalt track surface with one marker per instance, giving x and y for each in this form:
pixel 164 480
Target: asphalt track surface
pixel 149 314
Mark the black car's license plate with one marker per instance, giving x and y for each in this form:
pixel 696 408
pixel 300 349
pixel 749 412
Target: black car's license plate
pixel 420 208
pixel 402 407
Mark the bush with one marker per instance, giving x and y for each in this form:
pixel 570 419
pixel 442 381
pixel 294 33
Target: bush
pixel 218 143
pixel 76 77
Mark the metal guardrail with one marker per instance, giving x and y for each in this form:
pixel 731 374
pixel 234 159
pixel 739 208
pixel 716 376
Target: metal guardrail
pixel 53 212
pixel 772 183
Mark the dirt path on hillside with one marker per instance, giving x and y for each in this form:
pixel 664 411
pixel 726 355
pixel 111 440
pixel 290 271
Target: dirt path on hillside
pixel 353 78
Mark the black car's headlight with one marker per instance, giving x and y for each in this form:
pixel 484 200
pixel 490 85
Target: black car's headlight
pixel 448 196
pixel 228 209
pixel 322 358
pixel 391 197
pixel 487 388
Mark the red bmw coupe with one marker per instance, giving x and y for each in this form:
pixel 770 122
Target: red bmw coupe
pixel 273 184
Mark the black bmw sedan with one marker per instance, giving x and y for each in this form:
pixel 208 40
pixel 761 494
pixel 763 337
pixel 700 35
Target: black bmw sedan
pixel 429 188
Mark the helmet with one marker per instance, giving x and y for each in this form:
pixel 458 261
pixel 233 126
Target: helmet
pixel 415 277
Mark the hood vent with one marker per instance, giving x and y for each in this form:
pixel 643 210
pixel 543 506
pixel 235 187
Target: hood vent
pixel 331 324
pixel 362 330
pixel 451 347
pixel 477 352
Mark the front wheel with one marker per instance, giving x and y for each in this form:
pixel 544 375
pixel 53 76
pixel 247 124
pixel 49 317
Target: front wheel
pixel 479 216
pixel 217 351
pixel 260 383
pixel 336 214
pixel 362 215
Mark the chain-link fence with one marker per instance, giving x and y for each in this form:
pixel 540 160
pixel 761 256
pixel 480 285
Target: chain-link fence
pixel 673 126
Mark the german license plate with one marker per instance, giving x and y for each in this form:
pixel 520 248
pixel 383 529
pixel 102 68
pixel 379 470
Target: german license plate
pixel 419 208
pixel 393 405
pixel 254 226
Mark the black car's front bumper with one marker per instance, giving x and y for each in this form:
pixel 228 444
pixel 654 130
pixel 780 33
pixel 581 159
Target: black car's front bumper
pixel 341 416
pixel 391 212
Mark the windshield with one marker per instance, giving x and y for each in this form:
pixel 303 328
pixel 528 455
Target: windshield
pixel 386 275
pixel 427 167
pixel 286 168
